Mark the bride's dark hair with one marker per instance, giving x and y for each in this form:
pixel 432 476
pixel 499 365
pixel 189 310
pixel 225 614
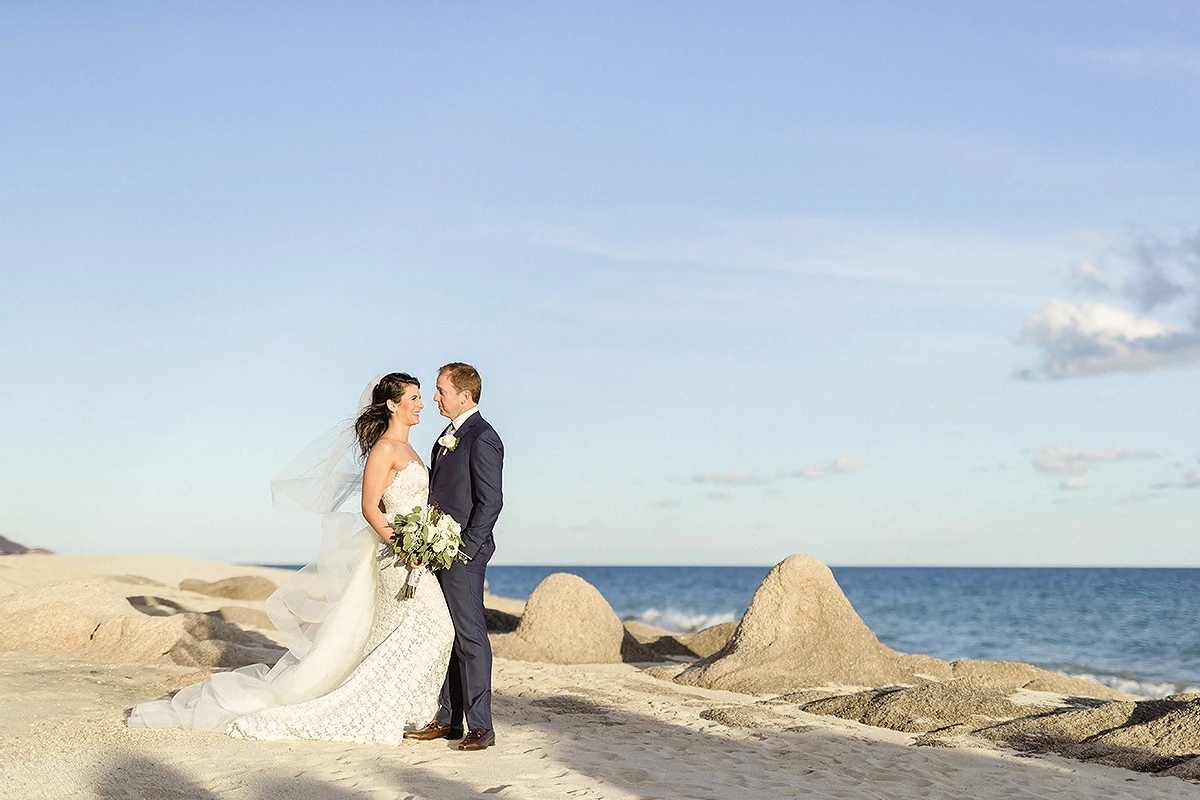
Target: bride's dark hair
pixel 372 423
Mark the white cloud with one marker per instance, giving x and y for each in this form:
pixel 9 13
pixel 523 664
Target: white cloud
pixel 1065 461
pixel 845 464
pixel 1080 339
pixel 1090 278
pixel 733 477
pixel 1093 338
pixel 841 464
pixel 1189 480
pixel 1073 484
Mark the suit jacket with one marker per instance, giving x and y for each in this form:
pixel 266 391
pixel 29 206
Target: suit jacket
pixel 466 483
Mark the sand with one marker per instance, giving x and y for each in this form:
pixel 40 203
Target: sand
pixel 588 731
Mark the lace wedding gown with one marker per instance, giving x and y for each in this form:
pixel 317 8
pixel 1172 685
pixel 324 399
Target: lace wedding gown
pixel 356 683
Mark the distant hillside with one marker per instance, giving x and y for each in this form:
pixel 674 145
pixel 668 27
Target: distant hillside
pixel 10 548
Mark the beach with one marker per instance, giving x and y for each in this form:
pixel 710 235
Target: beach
pixel 612 730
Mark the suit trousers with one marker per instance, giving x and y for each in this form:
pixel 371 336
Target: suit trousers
pixel 467 690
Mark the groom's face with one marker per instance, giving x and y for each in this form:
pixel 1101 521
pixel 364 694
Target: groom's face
pixel 449 400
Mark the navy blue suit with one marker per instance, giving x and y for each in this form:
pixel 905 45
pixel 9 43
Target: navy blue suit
pixel 466 483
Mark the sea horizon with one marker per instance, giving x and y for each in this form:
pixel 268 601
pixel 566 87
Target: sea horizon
pixel 1131 628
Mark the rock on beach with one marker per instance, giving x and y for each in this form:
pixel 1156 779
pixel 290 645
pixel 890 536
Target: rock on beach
pixel 801 631
pixel 566 621
pixel 240 587
pixel 105 619
pixel 10 548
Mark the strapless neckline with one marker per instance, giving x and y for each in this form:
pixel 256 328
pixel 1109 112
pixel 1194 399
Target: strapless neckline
pixel 400 471
pixel 409 488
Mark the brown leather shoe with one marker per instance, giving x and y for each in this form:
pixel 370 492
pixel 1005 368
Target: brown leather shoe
pixel 434 730
pixel 478 739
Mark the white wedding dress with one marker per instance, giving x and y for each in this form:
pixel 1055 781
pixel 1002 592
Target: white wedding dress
pixel 343 680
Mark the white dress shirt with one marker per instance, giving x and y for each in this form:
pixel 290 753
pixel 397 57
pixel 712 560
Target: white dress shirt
pixel 458 421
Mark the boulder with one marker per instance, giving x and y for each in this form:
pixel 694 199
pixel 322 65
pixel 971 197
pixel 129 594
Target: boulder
pixel 566 621
pixel 665 672
pixel 668 647
pixel 644 632
pixel 1160 736
pixel 658 644
pixel 241 587
pixel 750 717
pixel 973 701
pixel 1151 739
pixel 10 548
pixel 1188 769
pixel 244 617
pixel 501 614
pixel 805 696
pixel 96 618
pixel 707 641
pixel 634 652
pixel 847 706
pixel 801 631
pixel 1026 676
pixel 1057 731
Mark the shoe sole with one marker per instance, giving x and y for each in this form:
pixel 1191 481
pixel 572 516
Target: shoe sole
pixel 473 749
pixel 451 735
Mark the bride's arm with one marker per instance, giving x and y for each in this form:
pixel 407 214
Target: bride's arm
pixel 375 474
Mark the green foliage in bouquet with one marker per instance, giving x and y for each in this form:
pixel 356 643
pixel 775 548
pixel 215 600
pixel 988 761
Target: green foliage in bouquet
pixel 427 536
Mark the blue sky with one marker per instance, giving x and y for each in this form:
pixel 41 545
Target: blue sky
pixel 885 283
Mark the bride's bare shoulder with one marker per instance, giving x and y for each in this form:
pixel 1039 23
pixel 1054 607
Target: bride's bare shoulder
pixel 398 454
pixel 384 446
pixel 384 451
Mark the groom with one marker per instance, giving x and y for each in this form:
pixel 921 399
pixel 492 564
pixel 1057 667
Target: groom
pixel 465 482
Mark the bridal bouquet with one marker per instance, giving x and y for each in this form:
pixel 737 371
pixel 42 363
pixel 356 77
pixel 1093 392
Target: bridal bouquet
pixel 428 537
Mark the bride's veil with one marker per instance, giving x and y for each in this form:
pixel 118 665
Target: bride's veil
pixel 329 602
pixel 326 479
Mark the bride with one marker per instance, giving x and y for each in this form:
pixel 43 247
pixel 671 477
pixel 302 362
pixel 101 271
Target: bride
pixel 360 662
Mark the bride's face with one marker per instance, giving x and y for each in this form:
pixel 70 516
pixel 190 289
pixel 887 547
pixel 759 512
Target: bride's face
pixel 407 411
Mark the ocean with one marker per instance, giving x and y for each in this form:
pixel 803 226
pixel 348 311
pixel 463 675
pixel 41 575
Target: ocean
pixel 1137 630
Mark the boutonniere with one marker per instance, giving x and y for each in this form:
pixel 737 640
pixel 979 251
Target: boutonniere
pixel 448 441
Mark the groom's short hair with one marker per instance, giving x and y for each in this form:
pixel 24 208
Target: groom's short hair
pixel 465 378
